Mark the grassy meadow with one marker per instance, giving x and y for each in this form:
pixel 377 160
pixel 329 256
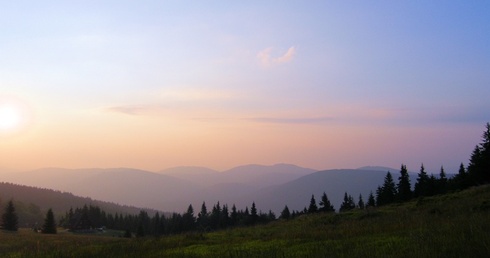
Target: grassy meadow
pixel 452 225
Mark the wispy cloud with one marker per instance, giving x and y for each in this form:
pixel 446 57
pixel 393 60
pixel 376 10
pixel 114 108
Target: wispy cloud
pixel 136 110
pixel 266 58
pixel 294 120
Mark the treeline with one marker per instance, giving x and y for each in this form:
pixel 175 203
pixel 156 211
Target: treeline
pixel 33 201
pixel 92 218
pixel 477 173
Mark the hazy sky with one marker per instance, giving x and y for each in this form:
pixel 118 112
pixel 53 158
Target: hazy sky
pixel 321 84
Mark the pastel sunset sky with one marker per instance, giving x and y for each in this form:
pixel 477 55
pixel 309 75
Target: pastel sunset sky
pixel 319 84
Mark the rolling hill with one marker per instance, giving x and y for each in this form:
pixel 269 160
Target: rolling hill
pixel 32 203
pixel 121 185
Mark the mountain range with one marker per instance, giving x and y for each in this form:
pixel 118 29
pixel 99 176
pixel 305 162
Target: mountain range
pixel 270 187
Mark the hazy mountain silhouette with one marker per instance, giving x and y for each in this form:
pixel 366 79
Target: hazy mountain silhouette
pixel 263 176
pixel 198 175
pixel 380 168
pixel 270 187
pixel 297 193
pixel 256 176
pixel 121 185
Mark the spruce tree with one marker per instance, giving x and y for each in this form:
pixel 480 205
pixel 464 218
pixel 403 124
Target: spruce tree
pixel 371 201
pixel 442 186
pixel 312 208
pixel 253 214
pixel 325 205
pixel 188 218
pixel 485 155
pixel 360 203
pixel 404 192
pixel 10 220
pixel 479 167
pixel 285 214
pixel 422 184
pixel 347 204
pixel 202 217
pixel 233 216
pixel 461 178
pixel 156 225
pixel 49 226
pixel 386 194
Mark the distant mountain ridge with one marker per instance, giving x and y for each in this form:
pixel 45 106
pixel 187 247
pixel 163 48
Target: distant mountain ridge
pixel 270 187
pixel 252 174
pixel 121 185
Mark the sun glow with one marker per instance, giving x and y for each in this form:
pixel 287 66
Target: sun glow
pixel 10 118
pixel 14 116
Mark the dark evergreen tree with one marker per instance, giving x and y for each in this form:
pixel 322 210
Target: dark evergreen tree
pixel 479 167
pixel 432 185
pixel 442 183
pixel 202 217
pixel 10 220
pixel 404 192
pixel 285 214
pixel 144 224
pixel 386 194
pixel 371 201
pixel 156 225
pixel 347 204
pixel 422 184
pixel 233 216
pixel 271 216
pixel 224 220
pixel 189 221
pixel 253 214
pixel 312 208
pixel 49 226
pixel 214 217
pixel 360 203
pixel 485 155
pixel 325 205
pixel 460 181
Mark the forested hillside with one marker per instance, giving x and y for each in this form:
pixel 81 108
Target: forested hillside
pixel 31 203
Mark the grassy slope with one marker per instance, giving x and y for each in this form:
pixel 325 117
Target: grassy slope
pixel 453 225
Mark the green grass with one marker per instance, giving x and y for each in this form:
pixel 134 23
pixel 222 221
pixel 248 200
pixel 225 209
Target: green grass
pixel 453 225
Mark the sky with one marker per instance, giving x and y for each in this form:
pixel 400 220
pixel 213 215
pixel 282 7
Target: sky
pixel 319 84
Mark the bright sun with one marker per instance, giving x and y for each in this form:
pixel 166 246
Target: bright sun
pixel 10 117
pixel 15 116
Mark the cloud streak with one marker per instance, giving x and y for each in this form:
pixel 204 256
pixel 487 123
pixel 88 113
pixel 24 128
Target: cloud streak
pixel 136 110
pixel 295 120
pixel 266 59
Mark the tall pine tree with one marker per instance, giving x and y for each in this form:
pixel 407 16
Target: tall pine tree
pixel 325 205
pixel 253 214
pixel 387 193
pixel 371 201
pixel 10 220
pixel 422 184
pixel 347 204
pixel 49 226
pixel 442 184
pixel 479 167
pixel 360 203
pixel 404 192
pixel 312 208
pixel 285 213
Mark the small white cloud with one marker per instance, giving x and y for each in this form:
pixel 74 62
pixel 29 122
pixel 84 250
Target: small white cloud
pixel 266 59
